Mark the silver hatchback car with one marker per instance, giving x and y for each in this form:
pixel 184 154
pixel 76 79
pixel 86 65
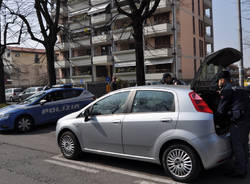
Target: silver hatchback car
pixel 169 125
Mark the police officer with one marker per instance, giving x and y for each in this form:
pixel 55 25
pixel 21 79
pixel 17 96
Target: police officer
pixel 233 104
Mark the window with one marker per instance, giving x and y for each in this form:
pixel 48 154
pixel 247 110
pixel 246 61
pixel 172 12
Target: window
pixel 101 71
pixel 71 93
pixel 54 96
pixel 37 59
pixel 193 25
pixel 201 48
pixel 193 6
pixel 153 101
pixel 194 46
pixel 125 69
pixel 105 50
pixel 162 42
pixel 82 70
pixel 199 8
pixel 113 104
pixel 201 31
pixel 160 68
pixel 161 18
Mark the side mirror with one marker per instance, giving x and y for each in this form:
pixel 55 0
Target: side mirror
pixel 86 114
pixel 42 102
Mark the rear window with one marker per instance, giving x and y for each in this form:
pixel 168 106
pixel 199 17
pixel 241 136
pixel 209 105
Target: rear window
pixel 153 101
pixel 71 93
pixel 18 90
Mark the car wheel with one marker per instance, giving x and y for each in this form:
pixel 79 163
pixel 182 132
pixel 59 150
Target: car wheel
pixel 69 145
pixel 24 124
pixel 181 163
pixel 11 99
pixel 19 99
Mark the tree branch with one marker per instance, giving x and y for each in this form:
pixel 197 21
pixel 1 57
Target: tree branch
pixel 121 11
pixel 150 13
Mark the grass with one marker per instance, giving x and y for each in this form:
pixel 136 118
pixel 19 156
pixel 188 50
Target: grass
pixel 3 105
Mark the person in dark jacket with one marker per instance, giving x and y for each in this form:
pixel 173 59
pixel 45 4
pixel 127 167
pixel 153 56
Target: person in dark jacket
pixel 169 80
pixel 113 84
pixel 233 104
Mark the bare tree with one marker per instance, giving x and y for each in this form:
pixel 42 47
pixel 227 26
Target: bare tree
pixel 47 14
pixel 140 11
pixel 4 42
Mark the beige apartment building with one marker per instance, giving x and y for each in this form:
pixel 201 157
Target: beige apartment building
pixel 25 67
pixel 98 42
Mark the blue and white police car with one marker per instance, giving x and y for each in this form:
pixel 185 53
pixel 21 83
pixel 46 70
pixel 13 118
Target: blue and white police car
pixel 44 107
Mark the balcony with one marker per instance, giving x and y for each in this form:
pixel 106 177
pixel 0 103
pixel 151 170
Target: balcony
pixel 79 25
pixel 208 20
pixel 65 46
pixel 100 39
pixel 158 53
pixel 209 39
pixel 164 5
pixel 102 60
pixel 100 19
pixel 76 5
pixel 207 3
pixel 61 64
pixel 95 2
pixel 81 60
pixel 124 56
pixel 158 30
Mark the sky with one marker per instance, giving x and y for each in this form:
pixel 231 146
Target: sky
pixel 226 26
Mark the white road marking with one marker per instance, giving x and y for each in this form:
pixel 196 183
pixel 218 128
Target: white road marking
pixel 118 170
pixel 72 166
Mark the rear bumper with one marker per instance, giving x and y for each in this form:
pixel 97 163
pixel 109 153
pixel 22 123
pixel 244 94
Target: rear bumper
pixel 213 149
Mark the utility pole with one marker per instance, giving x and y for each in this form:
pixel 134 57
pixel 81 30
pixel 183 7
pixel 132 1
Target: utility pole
pixel 175 59
pixel 241 67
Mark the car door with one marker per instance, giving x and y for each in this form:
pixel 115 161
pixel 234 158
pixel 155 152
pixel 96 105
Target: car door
pixel 153 112
pixel 103 130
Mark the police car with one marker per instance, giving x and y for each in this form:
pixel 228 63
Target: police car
pixel 43 107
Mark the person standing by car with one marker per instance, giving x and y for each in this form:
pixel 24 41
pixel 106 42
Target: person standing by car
pixel 169 80
pixel 113 84
pixel 233 104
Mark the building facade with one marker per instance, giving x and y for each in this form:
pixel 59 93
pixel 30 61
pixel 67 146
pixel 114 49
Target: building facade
pixel 25 67
pixel 98 43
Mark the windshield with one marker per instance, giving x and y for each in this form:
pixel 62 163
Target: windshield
pixel 33 98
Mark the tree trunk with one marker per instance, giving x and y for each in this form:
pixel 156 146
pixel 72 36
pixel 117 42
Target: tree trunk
pixel 139 50
pixel 50 65
pixel 2 83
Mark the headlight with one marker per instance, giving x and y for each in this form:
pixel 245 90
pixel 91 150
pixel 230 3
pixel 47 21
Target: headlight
pixel 4 116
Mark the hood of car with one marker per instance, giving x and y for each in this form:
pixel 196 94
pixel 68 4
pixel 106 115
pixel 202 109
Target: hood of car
pixel 213 64
pixel 11 109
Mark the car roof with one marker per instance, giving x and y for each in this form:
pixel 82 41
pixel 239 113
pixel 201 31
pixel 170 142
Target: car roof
pixel 58 89
pixel 163 86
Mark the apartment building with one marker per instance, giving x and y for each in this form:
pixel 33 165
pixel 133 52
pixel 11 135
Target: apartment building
pixel 98 42
pixel 25 67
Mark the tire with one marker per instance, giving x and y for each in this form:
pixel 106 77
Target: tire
pixel 24 124
pixel 11 99
pixel 69 146
pixel 19 99
pixel 181 163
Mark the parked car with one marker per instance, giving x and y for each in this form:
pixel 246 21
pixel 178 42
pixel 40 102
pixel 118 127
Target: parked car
pixel 28 92
pixel 44 107
pixel 11 94
pixel 169 125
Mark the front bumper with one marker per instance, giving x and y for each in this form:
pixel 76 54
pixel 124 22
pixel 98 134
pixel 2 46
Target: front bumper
pixel 213 149
pixel 6 124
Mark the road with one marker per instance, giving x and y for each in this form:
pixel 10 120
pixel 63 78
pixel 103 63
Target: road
pixel 35 158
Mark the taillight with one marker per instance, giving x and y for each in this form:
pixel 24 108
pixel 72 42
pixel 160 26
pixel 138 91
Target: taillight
pixel 94 98
pixel 14 94
pixel 199 104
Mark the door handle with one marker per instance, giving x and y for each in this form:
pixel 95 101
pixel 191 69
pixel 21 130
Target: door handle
pixel 167 120
pixel 116 122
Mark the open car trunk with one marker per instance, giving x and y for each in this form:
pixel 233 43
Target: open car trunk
pixel 205 81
